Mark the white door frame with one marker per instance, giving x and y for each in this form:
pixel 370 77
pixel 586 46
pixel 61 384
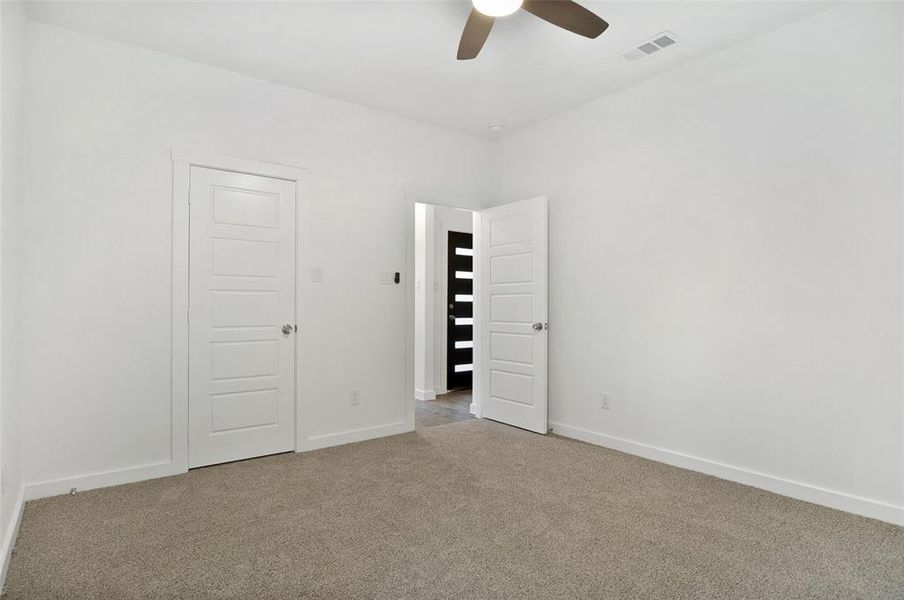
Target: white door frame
pixel 183 161
pixel 414 194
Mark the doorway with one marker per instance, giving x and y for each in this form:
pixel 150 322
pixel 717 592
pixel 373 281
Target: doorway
pixel 508 320
pixel 444 314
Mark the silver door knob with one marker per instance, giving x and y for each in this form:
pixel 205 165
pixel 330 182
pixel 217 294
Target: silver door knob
pixel 287 329
pixel 538 326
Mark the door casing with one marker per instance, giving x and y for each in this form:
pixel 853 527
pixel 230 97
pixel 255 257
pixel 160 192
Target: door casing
pixel 183 160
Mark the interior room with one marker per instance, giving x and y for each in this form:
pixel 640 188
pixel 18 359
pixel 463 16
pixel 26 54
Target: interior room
pixel 432 299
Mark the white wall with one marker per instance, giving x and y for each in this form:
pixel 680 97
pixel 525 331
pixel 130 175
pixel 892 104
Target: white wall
pixel 725 256
pixel 101 120
pixel 12 32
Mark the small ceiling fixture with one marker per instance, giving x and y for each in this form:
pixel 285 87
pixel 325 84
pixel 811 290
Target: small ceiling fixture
pixel 495 128
pixel 562 13
pixel 497 8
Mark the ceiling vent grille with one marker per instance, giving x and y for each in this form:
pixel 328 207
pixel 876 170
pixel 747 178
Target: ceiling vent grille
pixel 651 46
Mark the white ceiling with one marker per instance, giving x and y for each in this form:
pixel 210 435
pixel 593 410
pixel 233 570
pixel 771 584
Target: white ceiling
pixel 400 56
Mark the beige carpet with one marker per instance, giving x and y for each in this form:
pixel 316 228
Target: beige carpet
pixel 468 510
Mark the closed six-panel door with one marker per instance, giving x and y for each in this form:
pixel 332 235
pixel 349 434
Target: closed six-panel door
pixel 513 255
pixel 241 316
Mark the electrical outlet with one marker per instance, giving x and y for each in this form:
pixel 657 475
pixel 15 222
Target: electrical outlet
pixel 355 398
pixel 605 401
pixel 317 275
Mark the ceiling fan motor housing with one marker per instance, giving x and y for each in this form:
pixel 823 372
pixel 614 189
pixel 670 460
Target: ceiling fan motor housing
pixel 566 14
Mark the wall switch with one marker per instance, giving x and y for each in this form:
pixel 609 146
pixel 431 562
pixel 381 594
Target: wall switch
pixel 317 275
pixel 386 277
pixel 355 398
pixel 605 401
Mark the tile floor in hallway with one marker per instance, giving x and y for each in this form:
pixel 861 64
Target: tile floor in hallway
pixel 451 407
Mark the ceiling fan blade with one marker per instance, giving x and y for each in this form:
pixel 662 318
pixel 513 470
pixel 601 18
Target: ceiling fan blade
pixel 567 15
pixel 475 34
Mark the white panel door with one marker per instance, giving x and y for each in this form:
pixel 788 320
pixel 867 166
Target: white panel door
pixel 241 316
pixel 513 255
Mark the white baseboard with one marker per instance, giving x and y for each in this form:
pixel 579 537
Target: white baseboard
pixel 801 491
pixel 12 532
pixel 356 435
pixel 44 489
pixel 57 487
pixel 472 408
pixel 439 391
pixel 424 395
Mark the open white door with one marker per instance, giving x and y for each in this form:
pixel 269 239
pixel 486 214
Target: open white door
pixel 513 257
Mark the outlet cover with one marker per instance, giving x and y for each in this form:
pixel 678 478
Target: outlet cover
pixel 355 399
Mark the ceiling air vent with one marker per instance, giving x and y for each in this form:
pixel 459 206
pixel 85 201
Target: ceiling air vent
pixel 653 45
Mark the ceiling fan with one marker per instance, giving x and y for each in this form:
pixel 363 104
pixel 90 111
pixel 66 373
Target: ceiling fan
pixel 564 13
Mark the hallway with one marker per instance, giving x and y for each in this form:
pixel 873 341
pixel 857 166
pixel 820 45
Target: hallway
pixel 447 408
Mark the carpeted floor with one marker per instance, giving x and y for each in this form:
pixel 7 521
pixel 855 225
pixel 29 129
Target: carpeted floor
pixel 463 511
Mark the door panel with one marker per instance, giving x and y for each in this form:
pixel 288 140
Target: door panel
pixel 513 256
pixel 460 328
pixel 242 292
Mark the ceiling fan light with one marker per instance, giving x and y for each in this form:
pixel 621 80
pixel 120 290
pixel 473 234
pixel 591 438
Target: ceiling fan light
pixel 497 8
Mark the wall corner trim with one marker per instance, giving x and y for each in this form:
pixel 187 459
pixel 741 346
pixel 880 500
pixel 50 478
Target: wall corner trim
pixel 857 505
pixel 12 532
